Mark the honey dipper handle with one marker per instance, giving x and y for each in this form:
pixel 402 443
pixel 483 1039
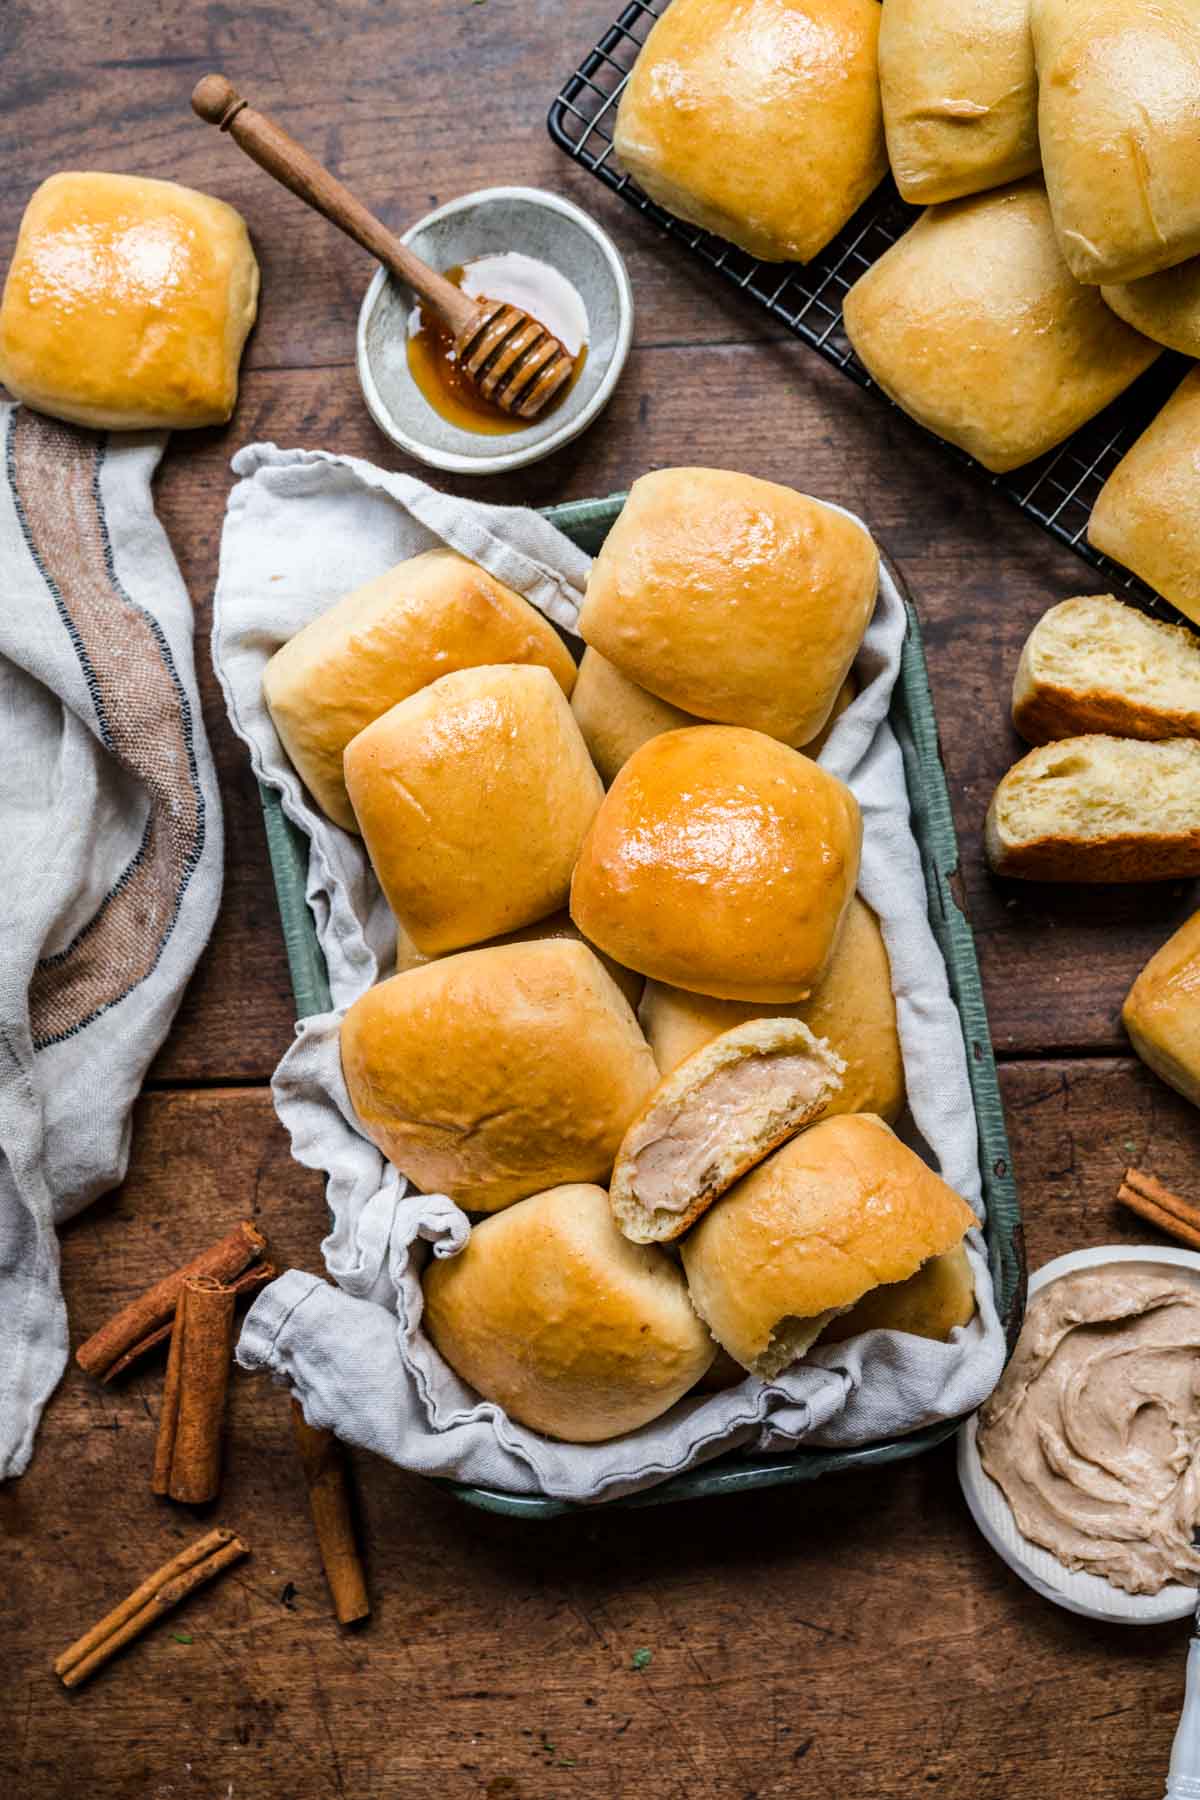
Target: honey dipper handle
pixel 218 101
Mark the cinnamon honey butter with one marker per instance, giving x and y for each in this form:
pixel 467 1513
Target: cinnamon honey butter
pixel 1094 1431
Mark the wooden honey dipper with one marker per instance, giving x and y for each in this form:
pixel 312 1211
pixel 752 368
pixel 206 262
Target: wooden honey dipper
pixel 513 360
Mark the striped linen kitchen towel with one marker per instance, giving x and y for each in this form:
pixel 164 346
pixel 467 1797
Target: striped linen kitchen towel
pixel 110 847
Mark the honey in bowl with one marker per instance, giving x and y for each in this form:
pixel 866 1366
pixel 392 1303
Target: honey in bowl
pixel 523 281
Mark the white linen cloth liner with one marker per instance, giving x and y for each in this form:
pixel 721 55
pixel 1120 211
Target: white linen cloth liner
pixel 304 527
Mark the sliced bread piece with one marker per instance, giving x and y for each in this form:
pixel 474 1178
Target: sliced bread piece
pixel 715 1116
pixel 1093 664
pixel 1099 809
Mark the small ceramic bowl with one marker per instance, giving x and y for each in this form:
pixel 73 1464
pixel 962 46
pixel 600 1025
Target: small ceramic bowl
pixel 496 219
pixel 1078 1591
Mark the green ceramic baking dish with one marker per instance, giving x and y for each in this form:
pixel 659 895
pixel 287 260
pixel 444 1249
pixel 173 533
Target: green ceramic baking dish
pixel 587 522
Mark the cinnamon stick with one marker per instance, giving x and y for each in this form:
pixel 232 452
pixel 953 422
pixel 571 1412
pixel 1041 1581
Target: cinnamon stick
pixel 146 1321
pixel 1171 1213
pixel 255 1277
pixel 187 1456
pixel 324 1465
pixel 209 1556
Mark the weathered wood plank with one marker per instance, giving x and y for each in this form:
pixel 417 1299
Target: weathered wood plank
pixel 853 1637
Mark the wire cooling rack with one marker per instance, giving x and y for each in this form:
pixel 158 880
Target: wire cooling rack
pixel 1059 490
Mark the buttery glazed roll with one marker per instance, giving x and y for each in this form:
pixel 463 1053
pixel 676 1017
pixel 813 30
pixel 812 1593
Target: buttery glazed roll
pixel 758 119
pixel 127 303
pixel 617 717
pixel 842 1209
pixel 738 600
pixel 1147 515
pixel 976 327
pixel 573 1330
pixel 959 95
pixel 557 925
pixel 851 1008
pixel 496 1073
pixel 473 797
pixel 1165 307
pixel 1162 1011
pixel 720 861
pixel 428 616
pixel 1118 97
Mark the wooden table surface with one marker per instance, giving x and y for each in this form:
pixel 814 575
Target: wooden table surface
pixel 857 1638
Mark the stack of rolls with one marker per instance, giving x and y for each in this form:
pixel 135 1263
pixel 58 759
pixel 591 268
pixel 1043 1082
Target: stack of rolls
pixel 623 1169
pixel 1052 144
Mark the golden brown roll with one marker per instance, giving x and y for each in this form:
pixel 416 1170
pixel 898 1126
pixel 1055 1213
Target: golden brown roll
pixel 851 1007
pixel 930 1304
pixel 1094 664
pixel 1147 515
pixel 720 861
pixel 127 303
pixel 556 925
pixel 712 1118
pixel 959 95
pixel 758 119
pixel 553 1315
pixel 473 797
pixel 840 1210
pixel 617 717
pixel 495 1073
pixel 1165 307
pixel 740 601
pixel 976 327
pixel 1162 1011
pixel 1118 97
pixel 384 641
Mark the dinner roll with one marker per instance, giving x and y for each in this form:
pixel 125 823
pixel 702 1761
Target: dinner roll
pixel 495 1073
pixel 758 119
pixel 973 324
pixel 738 600
pixel 473 797
pixel 1094 664
pixel 617 717
pixel 1099 809
pixel 930 1304
pixel 1162 1011
pixel 841 1209
pixel 1165 307
pixel 1147 514
pixel 1119 92
pixel 127 303
pixel 720 861
pixel 714 1117
pixel 557 925
pixel 428 616
pixel 851 1007
pixel 571 1329
pixel 959 95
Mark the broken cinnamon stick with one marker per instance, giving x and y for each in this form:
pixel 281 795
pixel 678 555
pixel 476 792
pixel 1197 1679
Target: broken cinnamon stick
pixel 324 1465
pixel 1147 1197
pixel 255 1277
pixel 199 1563
pixel 187 1455
pixel 146 1321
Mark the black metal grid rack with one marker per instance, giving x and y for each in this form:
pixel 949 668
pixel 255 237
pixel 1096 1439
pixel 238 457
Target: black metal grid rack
pixel 1058 491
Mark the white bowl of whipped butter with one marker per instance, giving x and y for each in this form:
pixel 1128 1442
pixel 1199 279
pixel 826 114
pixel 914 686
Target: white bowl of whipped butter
pixel 1076 1452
